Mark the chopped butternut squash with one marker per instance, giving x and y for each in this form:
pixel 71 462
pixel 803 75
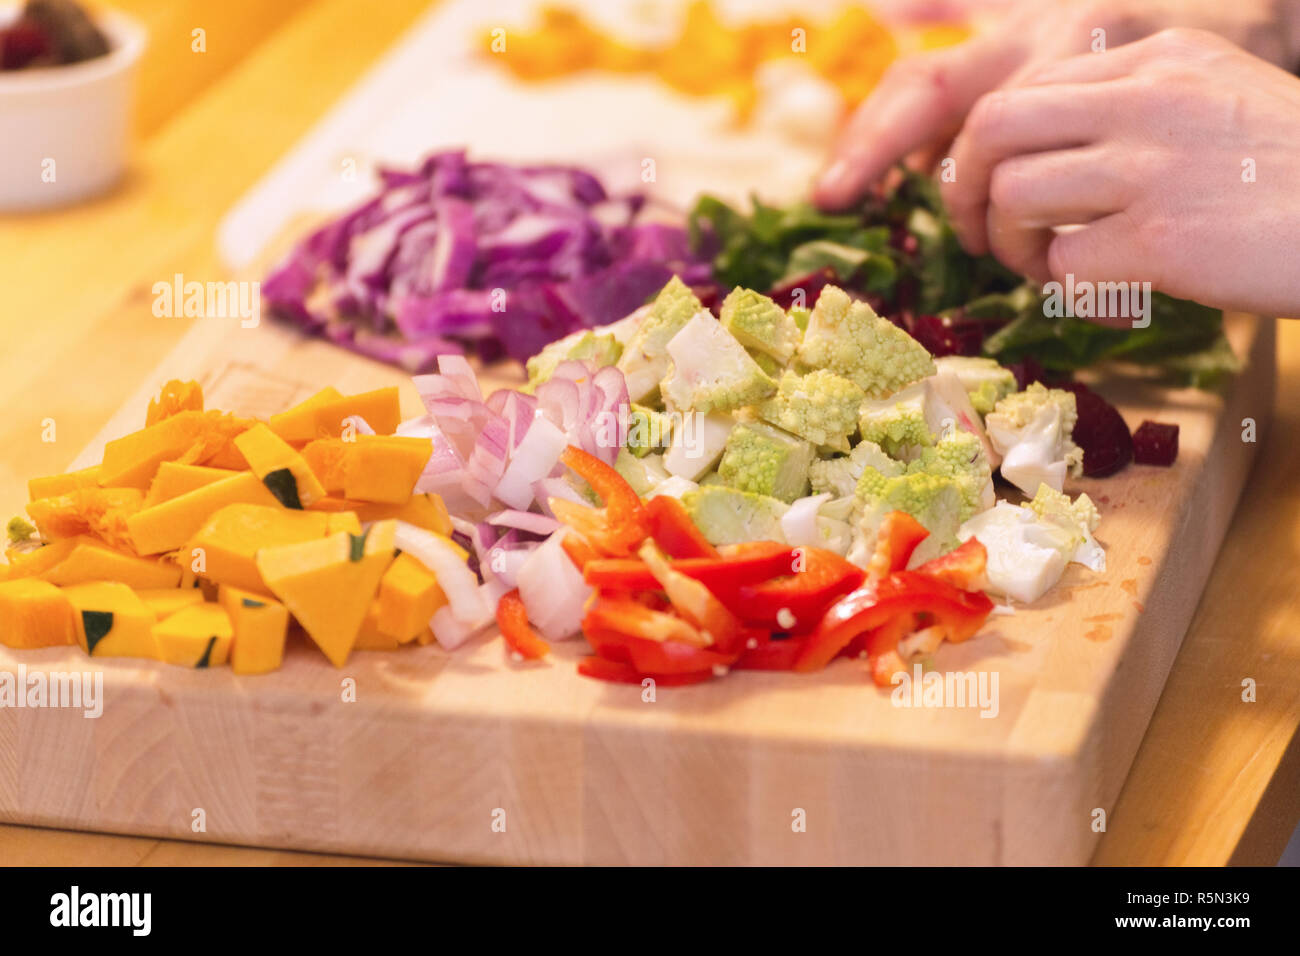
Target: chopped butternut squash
pixel 424 511
pixel 408 596
pixel 260 625
pixel 298 424
pixel 102 512
pixel 173 480
pixel 380 409
pixel 164 602
pixel 91 560
pixel 167 526
pixel 52 485
pixel 376 468
pixel 370 637
pixel 111 620
pixel 328 584
pixel 281 468
pixel 195 636
pixel 35 613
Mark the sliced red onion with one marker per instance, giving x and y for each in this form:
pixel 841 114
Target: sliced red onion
pixel 553 590
pixel 454 576
pixel 534 459
pixel 524 521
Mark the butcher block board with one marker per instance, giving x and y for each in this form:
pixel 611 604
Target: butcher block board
pixel 468 756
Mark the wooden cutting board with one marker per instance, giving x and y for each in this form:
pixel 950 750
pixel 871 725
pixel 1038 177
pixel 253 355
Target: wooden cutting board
pixel 467 756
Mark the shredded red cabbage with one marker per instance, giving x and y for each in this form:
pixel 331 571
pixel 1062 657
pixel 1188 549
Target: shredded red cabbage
pixel 457 255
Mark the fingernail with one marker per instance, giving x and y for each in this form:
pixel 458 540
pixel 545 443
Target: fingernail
pixel 833 176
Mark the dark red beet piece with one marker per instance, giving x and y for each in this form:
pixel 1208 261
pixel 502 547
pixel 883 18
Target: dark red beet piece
pixel 1155 444
pixel 21 43
pixel 948 335
pixel 1101 432
pixel 1027 371
pixel 785 294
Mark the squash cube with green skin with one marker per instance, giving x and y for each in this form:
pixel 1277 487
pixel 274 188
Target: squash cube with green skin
pixel 711 371
pixel 729 516
pixel 282 469
pixel 848 338
pixel 111 621
pixel 820 406
pixel 766 461
pixel 328 583
pixel 195 636
pixel 35 613
pixel 260 625
pixel 759 323
pixel 644 361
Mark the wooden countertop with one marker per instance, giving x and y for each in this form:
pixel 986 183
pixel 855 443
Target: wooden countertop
pixel 1217 778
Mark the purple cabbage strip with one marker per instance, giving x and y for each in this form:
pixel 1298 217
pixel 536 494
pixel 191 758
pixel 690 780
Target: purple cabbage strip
pixel 454 255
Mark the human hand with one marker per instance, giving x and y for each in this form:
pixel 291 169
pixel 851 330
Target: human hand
pixel 923 100
pixel 1179 153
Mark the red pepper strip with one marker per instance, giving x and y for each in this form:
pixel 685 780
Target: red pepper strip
pixel 897 538
pixel 824 576
pixel 626 523
pixel 877 640
pixel 512 618
pixel 772 655
pixel 757 561
pixel 904 592
pixel 651 657
pixel 579 551
pixel 693 600
pixel 628 617
pixel 962 567
pixel 620 673
pixel 674 531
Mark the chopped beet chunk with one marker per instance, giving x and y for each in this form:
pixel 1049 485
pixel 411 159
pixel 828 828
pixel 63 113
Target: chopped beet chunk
pixel 1101 432
pixel 948 335
pixel 802 290
pixel 1155 444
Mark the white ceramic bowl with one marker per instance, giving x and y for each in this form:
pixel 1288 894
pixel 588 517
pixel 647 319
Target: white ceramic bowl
pixel 65 130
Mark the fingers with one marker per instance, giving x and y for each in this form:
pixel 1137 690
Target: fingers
pixel 1010 123
pixel 1112 249
pixel 921 100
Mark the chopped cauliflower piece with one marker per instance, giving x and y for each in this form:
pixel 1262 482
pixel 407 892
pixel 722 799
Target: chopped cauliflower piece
pixel 1024 557
pixel 936 501
pixel 898 424
pixel 642 473
pixel 600 349
pixel 848 338
pixel 820 406
pixel 1076 521
pixel 711 371
pixel 960 455
pixel 698 441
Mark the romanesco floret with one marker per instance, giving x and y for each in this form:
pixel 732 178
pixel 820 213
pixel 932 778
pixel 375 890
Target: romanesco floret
pixel 936 501
pixel 769 365
pixel 644 361
pixel 820 406
pixel 727 516
pixel 647 430
pixel 960 455
pixel 1048 501
pixel 898 423
pixel 710 370
pixel 839 475
pixel 848 338
pixel 766 461
pixel 799 315
pixel 1014 415
pixel 759 323
pixel 985 381
pixel 643 473
pixel 598 349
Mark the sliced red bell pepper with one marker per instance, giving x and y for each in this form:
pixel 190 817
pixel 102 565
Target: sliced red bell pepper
pixel 512 618
pixel 625 519
pixel 960 612
pixel 804 595
pixel 621 673
pixel 693 600
pixel 749 564
pixel 579 551
pixel 652 657
pixel 626 616
pixel 674 531
pixel 964 567
pixel 897 538
pixel 770 655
